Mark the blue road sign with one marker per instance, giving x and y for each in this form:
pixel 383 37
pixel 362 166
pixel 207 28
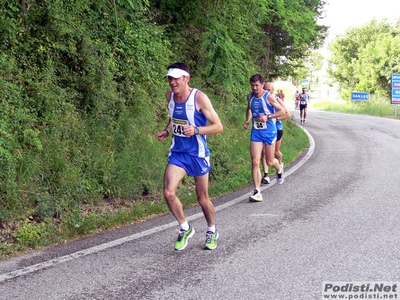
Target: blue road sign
pixel 395 88
pixel 359 96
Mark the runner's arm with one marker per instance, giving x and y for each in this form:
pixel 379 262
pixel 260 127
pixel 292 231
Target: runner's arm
pixel 205 106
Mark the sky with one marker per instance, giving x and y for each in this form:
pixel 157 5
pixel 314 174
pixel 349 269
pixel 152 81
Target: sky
pixel 344 14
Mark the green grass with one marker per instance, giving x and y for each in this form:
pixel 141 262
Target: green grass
pixel 231 171
pixel 375 107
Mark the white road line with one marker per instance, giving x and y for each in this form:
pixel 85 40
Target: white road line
pixel 104 246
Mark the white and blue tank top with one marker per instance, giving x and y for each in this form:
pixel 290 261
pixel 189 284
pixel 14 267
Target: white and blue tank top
pixel 182 114
pixel 262 106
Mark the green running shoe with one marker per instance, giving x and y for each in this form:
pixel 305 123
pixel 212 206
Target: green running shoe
pixel 183 237
pixel 211 240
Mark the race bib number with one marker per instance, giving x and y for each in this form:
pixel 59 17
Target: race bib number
pixel 177 127
pixel 302 102
pixel 260 125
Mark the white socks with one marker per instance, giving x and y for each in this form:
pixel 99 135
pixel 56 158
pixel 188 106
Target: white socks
pixel 185 226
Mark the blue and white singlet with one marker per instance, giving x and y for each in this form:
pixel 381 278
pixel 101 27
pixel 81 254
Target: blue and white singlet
pixel 186 113
pixel 262 131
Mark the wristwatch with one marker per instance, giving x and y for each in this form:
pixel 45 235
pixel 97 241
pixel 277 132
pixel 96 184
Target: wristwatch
pixel 196 130
pixel 269 117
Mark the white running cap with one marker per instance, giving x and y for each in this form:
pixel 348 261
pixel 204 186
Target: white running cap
pixel 176 73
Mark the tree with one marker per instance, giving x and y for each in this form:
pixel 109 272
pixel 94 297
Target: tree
pixel 358 62
pixel 314 63
pixel 291 34
pixel 380 59
pixel 228 41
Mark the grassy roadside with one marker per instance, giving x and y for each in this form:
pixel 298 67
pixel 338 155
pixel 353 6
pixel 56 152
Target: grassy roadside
pixel 32 234
pixel 376 107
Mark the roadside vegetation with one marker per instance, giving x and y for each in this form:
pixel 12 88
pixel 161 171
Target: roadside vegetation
pixel 375 107
pixel 82 98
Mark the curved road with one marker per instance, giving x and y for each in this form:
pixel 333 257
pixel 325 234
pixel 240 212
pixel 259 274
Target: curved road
pixel 335 219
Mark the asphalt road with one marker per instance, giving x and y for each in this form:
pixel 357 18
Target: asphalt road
pixel 335 219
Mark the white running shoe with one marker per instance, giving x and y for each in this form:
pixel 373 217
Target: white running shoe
pixel 256 197
pixel 279 176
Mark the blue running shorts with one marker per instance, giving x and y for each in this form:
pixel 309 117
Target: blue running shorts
pixel 193 165
pixel 268 138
